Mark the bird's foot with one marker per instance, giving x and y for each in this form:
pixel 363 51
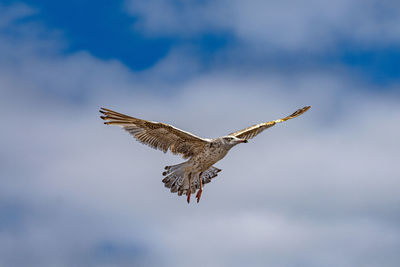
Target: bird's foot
pixel 188 196
pixel 199 195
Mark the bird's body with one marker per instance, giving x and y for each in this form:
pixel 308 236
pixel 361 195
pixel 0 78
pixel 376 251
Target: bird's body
pixel 213 152
pixel 189 176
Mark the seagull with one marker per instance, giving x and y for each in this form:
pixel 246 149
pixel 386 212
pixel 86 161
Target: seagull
pixel 202 153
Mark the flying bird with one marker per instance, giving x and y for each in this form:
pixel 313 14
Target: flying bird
pixel 202 153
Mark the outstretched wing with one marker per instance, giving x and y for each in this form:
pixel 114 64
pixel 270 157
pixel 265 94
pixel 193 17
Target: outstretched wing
pixel 156 134
pixel 252 131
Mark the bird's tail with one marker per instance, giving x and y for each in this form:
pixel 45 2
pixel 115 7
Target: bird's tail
pixel 175 178
pixel 209 174
pixel 178 180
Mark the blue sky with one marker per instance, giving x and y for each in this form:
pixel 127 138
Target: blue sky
pixel 106 30
pixel 320 190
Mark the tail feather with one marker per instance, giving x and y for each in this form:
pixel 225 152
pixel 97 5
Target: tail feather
pixel 173 168
pixel 174 176
pixel 177 181
pixel 209 174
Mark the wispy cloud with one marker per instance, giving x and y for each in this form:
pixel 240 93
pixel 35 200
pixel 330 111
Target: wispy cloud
pixel 302 25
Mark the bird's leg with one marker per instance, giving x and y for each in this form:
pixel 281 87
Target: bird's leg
pixel 189 192
pixel 200 189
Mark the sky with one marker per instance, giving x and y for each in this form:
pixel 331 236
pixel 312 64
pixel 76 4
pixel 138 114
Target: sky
pixel 319 190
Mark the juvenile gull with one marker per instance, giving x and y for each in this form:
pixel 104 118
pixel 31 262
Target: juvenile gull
pixel 202 153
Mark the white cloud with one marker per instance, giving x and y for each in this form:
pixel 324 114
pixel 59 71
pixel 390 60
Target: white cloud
pixel 319 190
pixel 14 12
pixel 309 25
pixel 171 17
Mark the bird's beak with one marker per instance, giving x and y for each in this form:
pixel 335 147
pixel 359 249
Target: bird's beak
pixel 243 141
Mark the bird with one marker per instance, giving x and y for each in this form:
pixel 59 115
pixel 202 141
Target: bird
pixel 201 153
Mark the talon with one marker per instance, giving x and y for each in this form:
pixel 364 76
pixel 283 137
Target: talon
pixel 189 192
pixel 201 187
pixel 199 195
pixel 188 196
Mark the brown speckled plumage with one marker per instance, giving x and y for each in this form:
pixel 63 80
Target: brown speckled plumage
pixel 189 176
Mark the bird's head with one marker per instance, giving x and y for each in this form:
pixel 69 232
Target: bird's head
pixel 232 140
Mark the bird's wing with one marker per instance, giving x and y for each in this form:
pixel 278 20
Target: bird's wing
pixel 156 134
pixel 252 131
